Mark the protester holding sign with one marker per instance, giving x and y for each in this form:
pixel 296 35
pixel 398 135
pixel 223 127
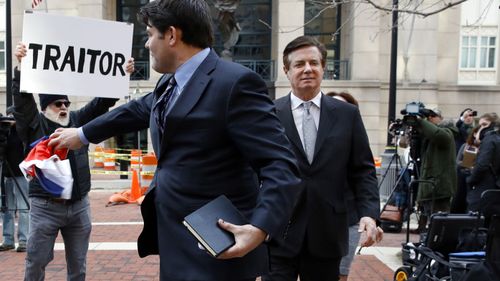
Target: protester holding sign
pixel 50 213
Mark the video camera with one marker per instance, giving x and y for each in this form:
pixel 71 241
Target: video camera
pixel 412 110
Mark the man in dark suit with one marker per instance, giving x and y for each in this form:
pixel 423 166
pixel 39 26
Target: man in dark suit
pixel 331 145
pixel 214 131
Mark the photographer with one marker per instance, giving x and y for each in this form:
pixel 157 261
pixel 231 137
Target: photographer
pixel 464 126
pixel 12 153
pixel 438 165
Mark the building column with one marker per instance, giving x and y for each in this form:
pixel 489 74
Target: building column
pixel 288 21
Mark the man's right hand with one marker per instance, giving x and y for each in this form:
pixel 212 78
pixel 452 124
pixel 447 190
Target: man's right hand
pixel 20 52
pixel 65 138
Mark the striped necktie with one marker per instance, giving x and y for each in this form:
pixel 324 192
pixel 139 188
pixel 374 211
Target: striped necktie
pixel 160 107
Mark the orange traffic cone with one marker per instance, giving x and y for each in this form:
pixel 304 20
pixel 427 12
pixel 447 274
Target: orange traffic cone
pixel 135 190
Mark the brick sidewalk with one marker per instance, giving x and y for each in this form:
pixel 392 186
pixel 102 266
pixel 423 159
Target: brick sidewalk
pixel 126 264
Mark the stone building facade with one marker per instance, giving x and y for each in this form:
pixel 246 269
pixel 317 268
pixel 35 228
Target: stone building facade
pixel 448 60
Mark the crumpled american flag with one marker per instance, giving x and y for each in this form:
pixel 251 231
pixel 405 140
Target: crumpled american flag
pixel 51 168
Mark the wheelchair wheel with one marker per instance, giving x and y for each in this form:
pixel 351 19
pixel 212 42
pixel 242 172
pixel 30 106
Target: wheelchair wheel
pixel 403 273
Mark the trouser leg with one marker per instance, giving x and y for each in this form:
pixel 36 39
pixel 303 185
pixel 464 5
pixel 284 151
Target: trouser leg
pixel 45 221
pixel 9 214
pixel 282 269
pixel 313 268
pixel 76 236
pixel 22 210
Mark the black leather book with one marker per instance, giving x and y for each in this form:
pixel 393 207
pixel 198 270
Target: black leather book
pixel 202 223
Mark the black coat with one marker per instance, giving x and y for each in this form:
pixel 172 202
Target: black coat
pixel 32 125
pixel 486 170
pixel 221 137
pixel 342 161
pixel 13 154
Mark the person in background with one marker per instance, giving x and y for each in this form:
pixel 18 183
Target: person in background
pixel 49 214
pixel 15 187
pixel 214 131
pixel 486 171
pixel 487 122
pixel 464 125
pixel 334 155
pixel 469 148
pixel 344 96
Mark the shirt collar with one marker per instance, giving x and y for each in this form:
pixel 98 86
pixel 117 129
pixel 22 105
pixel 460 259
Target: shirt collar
pixel 296 101
pixel 187 69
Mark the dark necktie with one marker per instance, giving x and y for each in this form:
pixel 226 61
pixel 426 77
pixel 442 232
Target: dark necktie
pixel 160 107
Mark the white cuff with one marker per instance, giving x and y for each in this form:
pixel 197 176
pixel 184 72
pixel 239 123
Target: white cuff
pixel 82 137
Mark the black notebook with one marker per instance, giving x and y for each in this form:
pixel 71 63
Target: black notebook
pixel 202 223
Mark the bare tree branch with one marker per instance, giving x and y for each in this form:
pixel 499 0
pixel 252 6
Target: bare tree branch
pixel 406 10
pixel 420 13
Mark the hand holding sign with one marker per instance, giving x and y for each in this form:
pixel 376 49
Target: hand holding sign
pixel 20 51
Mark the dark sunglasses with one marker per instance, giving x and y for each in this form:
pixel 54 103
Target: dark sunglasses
pixel 60 103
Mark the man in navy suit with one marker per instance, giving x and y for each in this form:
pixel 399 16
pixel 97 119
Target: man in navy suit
pixel 331 145
pixel 214 131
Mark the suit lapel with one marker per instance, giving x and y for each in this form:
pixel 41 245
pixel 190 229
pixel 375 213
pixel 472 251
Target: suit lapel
pixel 192 92
pixel 326 121
pixel 284 111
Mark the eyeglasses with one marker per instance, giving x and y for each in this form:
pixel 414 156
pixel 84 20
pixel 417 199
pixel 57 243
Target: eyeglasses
pixel 60 103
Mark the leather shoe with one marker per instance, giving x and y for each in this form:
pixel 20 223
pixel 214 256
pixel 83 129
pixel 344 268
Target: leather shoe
pixel 5 247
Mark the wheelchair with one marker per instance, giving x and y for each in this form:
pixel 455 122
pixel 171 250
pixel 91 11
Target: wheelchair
pixel 435 258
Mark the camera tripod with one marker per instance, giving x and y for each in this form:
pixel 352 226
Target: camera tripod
pixel 3 200
pixel 402 190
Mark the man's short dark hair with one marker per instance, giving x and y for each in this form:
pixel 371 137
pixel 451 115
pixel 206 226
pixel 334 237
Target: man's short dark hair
pixel 190 16
pixel 302 42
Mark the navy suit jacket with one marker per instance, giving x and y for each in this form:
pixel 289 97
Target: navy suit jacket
pixel 342 160
pixel 221 137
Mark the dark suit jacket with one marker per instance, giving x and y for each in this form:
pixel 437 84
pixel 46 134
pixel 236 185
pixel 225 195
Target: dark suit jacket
pixel 221 137
pixel 342 160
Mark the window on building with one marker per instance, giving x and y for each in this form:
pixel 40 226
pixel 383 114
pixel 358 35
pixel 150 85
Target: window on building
pixel 2 55
pixel 323 23
pixel 126 11
pixel 251 46
pixel 478 52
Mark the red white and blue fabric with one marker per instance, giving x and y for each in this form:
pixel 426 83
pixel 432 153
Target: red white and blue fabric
pixel 51 168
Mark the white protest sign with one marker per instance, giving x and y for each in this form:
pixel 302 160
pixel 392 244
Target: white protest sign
pixel 75 56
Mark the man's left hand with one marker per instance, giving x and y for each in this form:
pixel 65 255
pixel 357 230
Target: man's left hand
pixel 374 234
pixel 247 237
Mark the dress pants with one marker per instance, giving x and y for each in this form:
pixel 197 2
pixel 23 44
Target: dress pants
pixel 305 266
